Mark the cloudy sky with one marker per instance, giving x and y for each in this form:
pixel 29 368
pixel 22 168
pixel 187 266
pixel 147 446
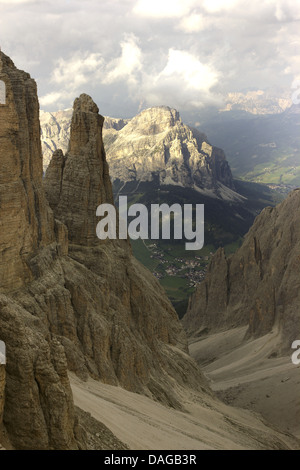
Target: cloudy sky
pixel 132 54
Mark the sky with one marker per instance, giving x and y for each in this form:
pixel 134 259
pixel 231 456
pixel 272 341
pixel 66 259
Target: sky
pixel 133 54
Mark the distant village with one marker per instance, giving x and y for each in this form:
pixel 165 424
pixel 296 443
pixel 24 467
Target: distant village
pixel 190 269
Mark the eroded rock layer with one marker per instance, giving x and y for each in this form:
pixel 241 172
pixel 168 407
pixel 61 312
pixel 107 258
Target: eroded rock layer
pixel 68 301
pixel 260 284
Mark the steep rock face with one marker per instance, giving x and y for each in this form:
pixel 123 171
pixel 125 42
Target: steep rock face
pixel 114 123
pixel 260 284
pixel 92 307
pixel 156 142
pixel 77 183
pixel 2 388
pixel 38 397
pixel 26 223
pixel 55 131
pixel 123 323
pixel 259 102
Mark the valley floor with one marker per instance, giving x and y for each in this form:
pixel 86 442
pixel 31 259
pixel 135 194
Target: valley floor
pixel 206 423
pixel 244 374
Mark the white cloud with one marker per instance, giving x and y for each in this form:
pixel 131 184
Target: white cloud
pixel 192 73
pixel 162 8
pixel 71 76
pixel 215 6
pixel 162 51
pixel 287 10
pixel 127 65
pixel 50 99
pixel 194 23
pixel 18 2
pixel 185 82
pixel 78 70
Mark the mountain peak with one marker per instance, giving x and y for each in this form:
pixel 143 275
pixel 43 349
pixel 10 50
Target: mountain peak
pixel 155 120
pixel 77 183
pixel 85 104
pixel 157 144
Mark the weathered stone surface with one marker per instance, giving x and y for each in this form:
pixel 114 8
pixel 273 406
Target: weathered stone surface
pixel 123 326
pixel 38 408
pixel 260 284
pixel 55 131
pixel 77 183
pixel 86 306
pixel 2 388
pixel 95 435
pixel 89 307
pixel 156 142
pixel 26 223
pixel 114 123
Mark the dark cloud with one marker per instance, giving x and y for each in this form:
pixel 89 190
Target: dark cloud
pixel 133 53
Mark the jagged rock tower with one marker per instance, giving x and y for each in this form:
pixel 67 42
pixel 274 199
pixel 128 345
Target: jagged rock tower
pixel 38 410
pixel 26 222
pixel 67 300
pixel 77 183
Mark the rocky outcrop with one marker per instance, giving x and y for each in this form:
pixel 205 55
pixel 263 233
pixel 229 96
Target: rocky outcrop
pixel 74 304
pixel 78 182
pixel 55 131
pixel 259 102
pixel 38 396
pixel 2 388
pixel 153 145
pixel 117 304
pixel 260 284
pixel 67 300
pixel 114 123
pixel 26 221
pixel 156 143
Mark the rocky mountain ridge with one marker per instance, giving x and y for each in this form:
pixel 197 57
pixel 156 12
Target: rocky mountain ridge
pixel 154 145
pixel 55 131
pixel 258 102
pixel 259 285
pixel 69 302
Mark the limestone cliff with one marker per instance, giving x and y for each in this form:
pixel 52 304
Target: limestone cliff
pixel 77 183
pixel 2 388
pixel 154 144
pixel 93 309
pixel 38 407
pixel 26 222
pixel 70 302
pixel 260 284
pixel 55 131
pixel 116 302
